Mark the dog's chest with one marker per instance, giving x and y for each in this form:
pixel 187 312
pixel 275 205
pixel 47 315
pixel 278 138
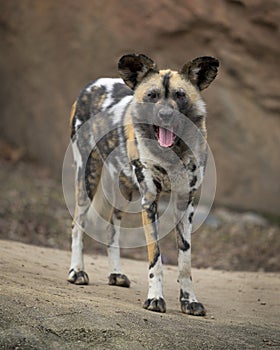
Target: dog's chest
pixel 179 179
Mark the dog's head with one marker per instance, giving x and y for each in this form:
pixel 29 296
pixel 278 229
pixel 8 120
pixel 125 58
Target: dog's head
pixel 164 95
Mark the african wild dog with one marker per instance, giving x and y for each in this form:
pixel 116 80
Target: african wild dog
pixel 147 104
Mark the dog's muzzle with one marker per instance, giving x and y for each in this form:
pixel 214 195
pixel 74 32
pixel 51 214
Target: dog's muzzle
pixel 164 131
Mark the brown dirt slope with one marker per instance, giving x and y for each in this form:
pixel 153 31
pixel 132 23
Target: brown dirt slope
pixel 40 310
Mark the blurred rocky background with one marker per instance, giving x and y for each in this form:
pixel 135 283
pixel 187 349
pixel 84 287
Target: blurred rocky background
pixel 51 49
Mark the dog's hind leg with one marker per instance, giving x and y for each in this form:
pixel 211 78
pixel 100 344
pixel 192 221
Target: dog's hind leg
pixel 116 278
pixel 77 275
pixel 86 185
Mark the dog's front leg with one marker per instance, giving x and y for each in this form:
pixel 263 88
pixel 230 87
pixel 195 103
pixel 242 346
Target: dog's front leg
pixel 149 194
pixel 183 215
pixel 155 301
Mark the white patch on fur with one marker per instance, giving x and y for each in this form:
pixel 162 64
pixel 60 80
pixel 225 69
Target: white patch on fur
pixel 77 261
pixel 112 169
pixel 149 181
pixel 184 258
pixel 114 249
pixel 119 109
pixel 77 154
pixel 155 283
pixel 130 174
pixel 77 124
pixel 185 274
pixel 108 83
pixel 201 107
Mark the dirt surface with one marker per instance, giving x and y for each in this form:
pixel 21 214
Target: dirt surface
pixel 40 310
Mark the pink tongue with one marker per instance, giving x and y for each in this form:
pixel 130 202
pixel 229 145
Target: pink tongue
pixel 165 137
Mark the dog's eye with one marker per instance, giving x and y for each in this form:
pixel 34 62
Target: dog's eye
pixel 180 95
pixel 153 95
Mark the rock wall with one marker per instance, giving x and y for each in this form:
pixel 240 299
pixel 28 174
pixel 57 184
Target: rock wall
pixel 50 49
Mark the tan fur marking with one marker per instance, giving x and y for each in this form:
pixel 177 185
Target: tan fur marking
pixel 151 81
pixel 131 146
pixel 111 143
pixel 203 128
pixel 176 82
pixel 101 101
pixel 72 113
pixel 151 242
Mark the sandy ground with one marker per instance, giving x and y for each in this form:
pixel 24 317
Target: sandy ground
pixel 40 310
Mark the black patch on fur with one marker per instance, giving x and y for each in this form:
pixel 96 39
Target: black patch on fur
pixel 151 275
pixel 118 214
pixel 186 245
pixel 193 167
pixel 201 71
pixel 160 169
pixel 73 131
pixel 156 257
pixel 184 296
pixel 134 67
pixel 158 185
pixel 188 109
pixel 152 211
pixel 138 167
pixel 119 92
pixel 132 71
pixel 182 243
pixel 88 104
pixel 152 96
pixel 184 106
pixel 193 182
pixel 190 217
pixel 166 84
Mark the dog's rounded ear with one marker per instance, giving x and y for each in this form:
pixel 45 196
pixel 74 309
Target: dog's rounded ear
pixel 201 71
pixel 134 67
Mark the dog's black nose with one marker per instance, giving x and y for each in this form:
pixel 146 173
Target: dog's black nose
pixel 165 113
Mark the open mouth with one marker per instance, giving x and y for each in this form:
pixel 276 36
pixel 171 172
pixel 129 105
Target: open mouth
pixel 165 137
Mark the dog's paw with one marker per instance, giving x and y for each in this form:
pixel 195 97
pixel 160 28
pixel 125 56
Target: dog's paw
pixel 118 279
pixel 194 308
pixel 78 277
pixel 154 304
